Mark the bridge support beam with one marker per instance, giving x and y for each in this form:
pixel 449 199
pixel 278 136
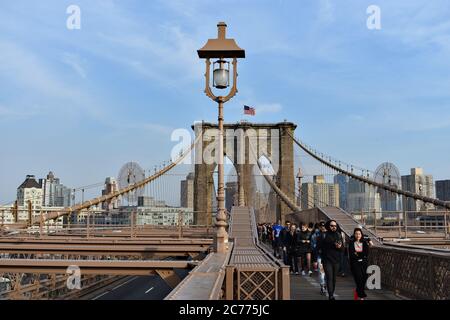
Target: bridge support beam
pixel 169 276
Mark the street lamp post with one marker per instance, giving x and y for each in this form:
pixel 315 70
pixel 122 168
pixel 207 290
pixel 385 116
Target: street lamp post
pixel 221 49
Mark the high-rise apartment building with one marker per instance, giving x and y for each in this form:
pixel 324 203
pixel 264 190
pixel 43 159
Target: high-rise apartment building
pixel 54 193
pixel 319 193
pixel 187 191
pixel 420 183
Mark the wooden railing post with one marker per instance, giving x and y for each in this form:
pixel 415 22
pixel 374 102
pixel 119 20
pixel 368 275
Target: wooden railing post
pixel 229 283
pixel 285 284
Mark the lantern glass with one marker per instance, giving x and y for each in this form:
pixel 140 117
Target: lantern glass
pixel 221 74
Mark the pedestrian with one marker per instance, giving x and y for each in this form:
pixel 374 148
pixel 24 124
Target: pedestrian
pixel 291 248
pixel 277 245
pixel 283 236
pixel 305 248
pixel 331 246
pixel 260 231
pixel 314 234
pixel 358 250
pixel 323 285
pixel 269 234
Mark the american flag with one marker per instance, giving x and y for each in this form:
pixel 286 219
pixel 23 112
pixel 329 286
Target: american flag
pixel 249 110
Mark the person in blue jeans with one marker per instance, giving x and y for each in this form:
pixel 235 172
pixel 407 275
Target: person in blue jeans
pixel 317 236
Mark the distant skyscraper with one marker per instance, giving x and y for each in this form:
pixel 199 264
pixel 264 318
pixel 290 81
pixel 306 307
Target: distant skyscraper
pixel 319 194
pixel 362 197
pixel 418 182
pixel 111 186
pixel 54 193
pixel 187 191
pixel 30 190
pixel 443 190
pixel 342 181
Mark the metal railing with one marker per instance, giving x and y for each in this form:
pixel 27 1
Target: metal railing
pixel 413 272
pixel 404 224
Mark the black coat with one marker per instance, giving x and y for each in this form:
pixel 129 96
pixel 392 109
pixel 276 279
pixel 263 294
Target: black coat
pixel 303 242
pixel 327 245
pixel 358 256
pixel 290 242
pixel 283 235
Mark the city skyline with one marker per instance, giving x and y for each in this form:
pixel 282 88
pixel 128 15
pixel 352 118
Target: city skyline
pixel 104 95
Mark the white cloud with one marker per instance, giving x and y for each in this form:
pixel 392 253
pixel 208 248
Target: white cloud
pixel 29 72
pixel 45 88
pixel 75 63
pixel 326 12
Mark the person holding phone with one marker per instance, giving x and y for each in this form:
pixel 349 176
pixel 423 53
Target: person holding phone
pixel 331 246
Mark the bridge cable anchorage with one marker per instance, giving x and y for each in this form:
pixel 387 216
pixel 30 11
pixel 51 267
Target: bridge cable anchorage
pixel 137 185
pixel 371 182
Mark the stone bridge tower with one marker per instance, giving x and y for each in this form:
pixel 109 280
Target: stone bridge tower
pixel 244 144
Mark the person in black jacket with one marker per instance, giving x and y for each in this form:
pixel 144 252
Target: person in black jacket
pixel 358 250
pixel 331 246
pixel 304 248
pixel 291 248
pixel 283 235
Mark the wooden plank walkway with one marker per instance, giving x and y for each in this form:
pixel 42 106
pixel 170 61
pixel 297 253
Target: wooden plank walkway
pixel 308 288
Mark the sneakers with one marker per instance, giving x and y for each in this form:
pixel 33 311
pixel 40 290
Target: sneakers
pixel 310 273
pixel 303 273
pixel 331 298
pixel 296 273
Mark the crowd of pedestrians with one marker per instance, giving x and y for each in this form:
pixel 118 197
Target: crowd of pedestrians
pixel 321 248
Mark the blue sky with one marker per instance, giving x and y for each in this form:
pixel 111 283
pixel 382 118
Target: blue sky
pixel 84 102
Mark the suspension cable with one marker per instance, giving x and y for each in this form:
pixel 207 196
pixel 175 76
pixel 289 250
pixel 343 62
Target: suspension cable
pixel 393 189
